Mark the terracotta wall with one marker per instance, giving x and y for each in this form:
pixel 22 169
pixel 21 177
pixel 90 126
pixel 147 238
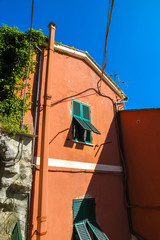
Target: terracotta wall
pixel 71 76
pixel 140 130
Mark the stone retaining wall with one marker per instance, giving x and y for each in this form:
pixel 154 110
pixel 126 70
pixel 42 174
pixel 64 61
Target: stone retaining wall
pixel 15 183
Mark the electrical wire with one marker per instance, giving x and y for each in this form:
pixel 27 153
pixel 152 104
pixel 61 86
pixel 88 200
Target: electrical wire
pixel 77 94
pixel 120 148
pixel 110 10
pixel 109 17
pixel 84 171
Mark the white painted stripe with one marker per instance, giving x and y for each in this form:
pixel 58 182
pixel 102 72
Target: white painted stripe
pixel 80 165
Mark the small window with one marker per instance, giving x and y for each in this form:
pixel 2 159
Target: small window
pixel 84 218
pixel 82 126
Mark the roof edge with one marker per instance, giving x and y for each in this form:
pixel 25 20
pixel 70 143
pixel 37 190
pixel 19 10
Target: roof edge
pixel 92 63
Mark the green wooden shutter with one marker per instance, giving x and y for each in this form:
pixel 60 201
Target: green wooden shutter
pixel 82 231
pixel 86 112
pixel 87 119
pixel 86 116
pixel 76 108
pixel 97 230
pixel 90 125
pixel 83 209
pixel 82 126
pixel 77 211
pixel 82 123
pixel 16 233
pixel 85 220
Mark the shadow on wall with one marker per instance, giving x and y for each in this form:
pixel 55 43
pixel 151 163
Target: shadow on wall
pixel 106 188
pixel 107 152
pixel 140 131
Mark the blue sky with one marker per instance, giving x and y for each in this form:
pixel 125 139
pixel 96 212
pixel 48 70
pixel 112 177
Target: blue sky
pixel 133 44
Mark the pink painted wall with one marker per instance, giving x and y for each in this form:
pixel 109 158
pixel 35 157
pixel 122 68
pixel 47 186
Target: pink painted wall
pixel 71 76
pixel 140 131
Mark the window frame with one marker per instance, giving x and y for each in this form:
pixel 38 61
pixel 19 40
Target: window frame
pixel 82 118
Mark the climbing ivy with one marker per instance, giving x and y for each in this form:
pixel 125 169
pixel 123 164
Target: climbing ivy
pixel 14 60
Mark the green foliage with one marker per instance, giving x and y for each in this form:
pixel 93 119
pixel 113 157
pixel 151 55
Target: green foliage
pixel 14 60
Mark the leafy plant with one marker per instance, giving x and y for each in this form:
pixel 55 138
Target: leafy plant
pixel 14 60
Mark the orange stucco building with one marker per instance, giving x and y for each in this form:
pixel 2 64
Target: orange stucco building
pixel 96 170
pixel 77 153
pixel 140 131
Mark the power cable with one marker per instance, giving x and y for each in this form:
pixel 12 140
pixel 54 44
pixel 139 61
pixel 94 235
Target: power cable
pixel 110 10
pixel 104 64
pixel 109 16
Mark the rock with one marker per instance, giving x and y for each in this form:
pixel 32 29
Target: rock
pixel 7 150
pixel 15 184
pixel 11 171
pixel 8 204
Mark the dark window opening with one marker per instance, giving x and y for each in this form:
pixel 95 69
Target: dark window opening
pixel 79 133
pixel 82 126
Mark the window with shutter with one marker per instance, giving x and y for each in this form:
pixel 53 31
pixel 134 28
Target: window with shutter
pixel 82 231
pixel 83 209
pixel 82 126
pixel 84 219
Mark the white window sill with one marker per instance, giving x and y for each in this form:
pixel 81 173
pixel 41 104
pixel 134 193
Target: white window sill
pixel 88 144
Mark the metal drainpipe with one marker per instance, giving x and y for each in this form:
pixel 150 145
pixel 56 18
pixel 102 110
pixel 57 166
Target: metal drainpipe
pixel 36 105
pixel 34 133
pixel 43 175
